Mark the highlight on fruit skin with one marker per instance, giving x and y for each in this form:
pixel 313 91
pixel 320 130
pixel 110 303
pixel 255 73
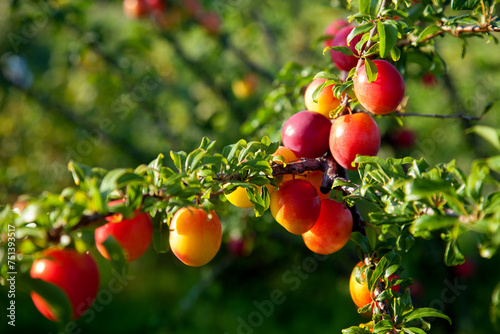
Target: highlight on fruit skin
pixel 195 235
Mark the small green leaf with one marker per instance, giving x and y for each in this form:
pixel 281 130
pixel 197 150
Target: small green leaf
pixel 52 294
pixel 388 36
pixel 160 234
pixel 413 330
pixel 425 312
pixel 395 53
pixel 361 241
pixel 464 4
pixel 371 70
pixel 452 255
pixel 428 31
pixel 429 223
pixel 115 252
pixel 369 7
pixel 343 49
pixel 327 76
pixel 495 307
pixel 359 30
pixel 489 134
pixel 177 158
pixel 355 330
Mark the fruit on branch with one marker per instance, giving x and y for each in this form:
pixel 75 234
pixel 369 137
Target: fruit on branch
pixel 156 5
pixel 239 198
pixel 332 230
pixel 342 61
pixel 246 87
pixel 295 205
pixel 239 246
pixel 403 138
pixel 359 291
pixel 135 8
pixel 306 134
pixel 192 7
pixel 133 235
pixel 326 100
pixel 353 134
pixel 429 79
pixel 332 29
pixel 211 22
pixel 286 153
pixel 383 95
pixel 195 236
pixel 74 273
pixel 315 177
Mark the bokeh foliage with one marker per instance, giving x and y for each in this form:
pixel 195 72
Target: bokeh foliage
pixel 80 81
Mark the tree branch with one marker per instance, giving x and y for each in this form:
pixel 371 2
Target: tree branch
pixel 461 116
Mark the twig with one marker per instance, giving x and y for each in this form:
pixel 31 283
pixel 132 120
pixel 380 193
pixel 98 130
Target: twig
pixel 461 116
pixel 453 30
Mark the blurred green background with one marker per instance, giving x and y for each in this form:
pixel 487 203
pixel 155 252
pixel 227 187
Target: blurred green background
pixel 79 80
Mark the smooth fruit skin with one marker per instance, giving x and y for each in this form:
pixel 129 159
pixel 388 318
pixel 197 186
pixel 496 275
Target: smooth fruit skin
pixel 332 230
pixel 353 134
pixel 195 236
pixel 359 292
pixel 133 235
pixel 383 95
pixel 306 134
pixel 296 205
pixel 74 273
pixel 315 177
pixel 326 100
pixel 342 61
pixel 239 198
pixel 135 8
pixel 332 29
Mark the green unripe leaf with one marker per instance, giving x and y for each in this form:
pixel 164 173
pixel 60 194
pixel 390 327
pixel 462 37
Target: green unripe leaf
pixel 371 70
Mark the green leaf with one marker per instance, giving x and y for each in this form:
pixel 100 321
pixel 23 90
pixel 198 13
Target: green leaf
pixel 369 7
pixel 343 49
pixel 430 30
pixel 327 76
pixel 413 330
pixel 489 134
pixel 495 307
pixel 422 188
pixel 429 223
pixel 388 36
pixel 355 330
pixel 425 312
pixel 452 255
pixel 395 53
pixel 160 234
pixel 361 241
pixel 383 326
pixel 371 70
pixel 52 294
pixel 178 158
pixel 116 253
pixel 464 4
pixel 359 30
